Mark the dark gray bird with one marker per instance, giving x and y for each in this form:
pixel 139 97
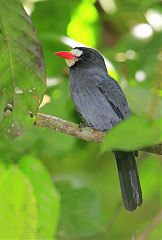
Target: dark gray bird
pixel 101 103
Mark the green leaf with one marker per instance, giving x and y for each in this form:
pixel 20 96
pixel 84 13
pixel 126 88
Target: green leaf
pixel 22 76
pixel 81 214
pixel 18 210
pixel 141 100
pixel 132 134
pixel 47 196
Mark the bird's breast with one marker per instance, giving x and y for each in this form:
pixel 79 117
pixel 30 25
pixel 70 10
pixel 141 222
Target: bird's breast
pixel 92 104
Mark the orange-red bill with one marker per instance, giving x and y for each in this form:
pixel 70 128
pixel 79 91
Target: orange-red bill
pixel 66 55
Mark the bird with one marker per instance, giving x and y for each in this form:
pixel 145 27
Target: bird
pixel 101 103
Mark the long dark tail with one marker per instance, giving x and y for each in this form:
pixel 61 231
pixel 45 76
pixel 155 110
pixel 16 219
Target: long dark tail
pixel 129 179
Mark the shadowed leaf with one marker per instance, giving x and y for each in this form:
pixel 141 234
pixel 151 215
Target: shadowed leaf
pixel 81 213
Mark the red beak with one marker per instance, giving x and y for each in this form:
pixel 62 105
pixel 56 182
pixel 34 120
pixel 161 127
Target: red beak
pixel 66 55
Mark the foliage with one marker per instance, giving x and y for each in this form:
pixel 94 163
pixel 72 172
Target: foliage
pixel 17 206
pixel 22 68
pixel 137 140
pixel 81 215
pixel 47 197
pixel 53 186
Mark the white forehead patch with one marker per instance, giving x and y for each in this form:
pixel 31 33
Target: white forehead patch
pixel 75 52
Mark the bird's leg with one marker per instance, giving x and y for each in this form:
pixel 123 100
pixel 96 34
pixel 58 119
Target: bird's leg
pixel 83 124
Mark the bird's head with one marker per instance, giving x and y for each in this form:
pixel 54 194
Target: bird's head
pixel 82 56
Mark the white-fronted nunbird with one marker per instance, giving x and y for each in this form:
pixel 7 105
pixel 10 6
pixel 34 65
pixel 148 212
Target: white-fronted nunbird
pixel 102 104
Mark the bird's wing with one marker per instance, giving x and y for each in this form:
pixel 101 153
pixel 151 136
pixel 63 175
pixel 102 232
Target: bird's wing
pixel 114 95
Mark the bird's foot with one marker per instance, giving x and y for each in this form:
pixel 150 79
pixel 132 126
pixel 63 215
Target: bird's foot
pixel 82 125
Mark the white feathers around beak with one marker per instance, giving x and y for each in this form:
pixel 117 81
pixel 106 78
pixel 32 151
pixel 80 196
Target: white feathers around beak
pixel 76 52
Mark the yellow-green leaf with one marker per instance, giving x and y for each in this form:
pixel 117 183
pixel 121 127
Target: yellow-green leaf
pixel 18 209
pixel 47 196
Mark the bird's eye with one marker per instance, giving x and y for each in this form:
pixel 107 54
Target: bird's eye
pixel 87 55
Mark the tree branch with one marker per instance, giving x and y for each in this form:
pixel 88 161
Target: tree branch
pixel 60 125
pixel 86 133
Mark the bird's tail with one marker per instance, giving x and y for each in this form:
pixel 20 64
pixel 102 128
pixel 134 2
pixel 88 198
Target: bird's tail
pixel 129 179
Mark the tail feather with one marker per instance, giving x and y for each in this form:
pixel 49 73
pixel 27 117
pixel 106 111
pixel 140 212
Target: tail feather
pixel 129 179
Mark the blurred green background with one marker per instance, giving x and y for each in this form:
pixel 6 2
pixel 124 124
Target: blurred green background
pixel 83 200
